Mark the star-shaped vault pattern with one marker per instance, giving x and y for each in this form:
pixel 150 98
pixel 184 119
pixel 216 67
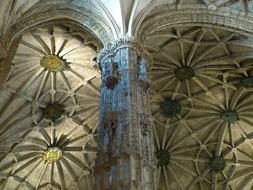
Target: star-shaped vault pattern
pixel 201 100
pixel 49 112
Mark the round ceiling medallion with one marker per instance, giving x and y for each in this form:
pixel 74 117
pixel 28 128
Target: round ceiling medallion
pixel 53 111
pixel 170 108
pixel 184 73
pixel 52 63
pixel 217 164
pixel 52 154
pixel 247 82
pixel 230 116
pixel 163 158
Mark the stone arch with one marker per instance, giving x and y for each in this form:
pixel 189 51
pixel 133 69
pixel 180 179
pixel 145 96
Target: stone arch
pixel 82 16
pixel 170 16
pixel 78 16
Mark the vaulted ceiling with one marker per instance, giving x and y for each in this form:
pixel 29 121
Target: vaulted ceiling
pixel 200 95
pixel 201 98
pixel 123 16
pixel 49 112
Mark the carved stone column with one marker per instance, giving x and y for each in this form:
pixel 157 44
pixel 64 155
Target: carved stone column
pixel 125 145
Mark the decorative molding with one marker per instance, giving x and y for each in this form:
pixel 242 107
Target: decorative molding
pixel 126 41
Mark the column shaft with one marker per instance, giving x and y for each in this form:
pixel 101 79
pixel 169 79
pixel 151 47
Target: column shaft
pixel 125 146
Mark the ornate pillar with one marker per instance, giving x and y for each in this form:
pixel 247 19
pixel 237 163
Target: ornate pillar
pixel 125 145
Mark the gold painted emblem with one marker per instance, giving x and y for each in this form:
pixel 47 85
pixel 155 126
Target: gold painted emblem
pixel 52 154
pixel 52 63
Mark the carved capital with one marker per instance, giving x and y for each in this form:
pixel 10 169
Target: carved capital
pixel 126 41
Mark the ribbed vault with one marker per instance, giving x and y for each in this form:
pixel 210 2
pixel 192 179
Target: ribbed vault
pixel 201 90
pixel 49 111
pixel 201 99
